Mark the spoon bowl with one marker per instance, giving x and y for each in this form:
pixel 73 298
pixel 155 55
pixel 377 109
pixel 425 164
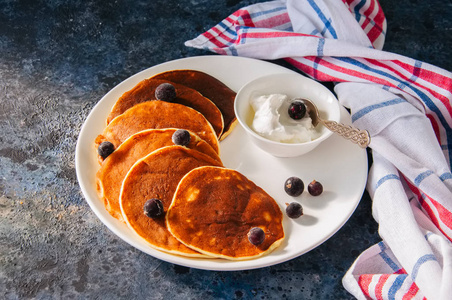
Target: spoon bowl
pixel 357 136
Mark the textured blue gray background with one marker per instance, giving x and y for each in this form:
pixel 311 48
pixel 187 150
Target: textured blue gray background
pixel 57 59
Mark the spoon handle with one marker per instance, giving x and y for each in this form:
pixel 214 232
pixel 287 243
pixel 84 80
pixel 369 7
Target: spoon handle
pixel 357 136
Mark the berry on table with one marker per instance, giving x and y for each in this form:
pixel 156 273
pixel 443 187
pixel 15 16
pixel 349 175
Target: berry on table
pixel 315 188
pixel 294 186
pixel 294 210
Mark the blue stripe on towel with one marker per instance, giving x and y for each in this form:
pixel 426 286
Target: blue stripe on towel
pixel 398 282
pixel 370 108
pixel 323 18
pixel 386 178
pixel 422 176
pixel 420 262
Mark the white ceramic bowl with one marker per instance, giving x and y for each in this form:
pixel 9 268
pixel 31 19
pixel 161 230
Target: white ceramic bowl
pixel 293 85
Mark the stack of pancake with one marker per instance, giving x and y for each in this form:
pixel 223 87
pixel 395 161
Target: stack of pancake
pixel 209 209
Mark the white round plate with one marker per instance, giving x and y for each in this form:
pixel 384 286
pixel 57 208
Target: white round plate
pixel 338 164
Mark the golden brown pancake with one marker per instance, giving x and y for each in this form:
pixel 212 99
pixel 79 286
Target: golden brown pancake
pixel 209 87
pixel 145 91
pixel 115 167
pixel 157 115
pixel 157 176
pixel 213 210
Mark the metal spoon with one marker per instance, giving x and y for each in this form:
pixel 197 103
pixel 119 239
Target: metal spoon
pixel 357 136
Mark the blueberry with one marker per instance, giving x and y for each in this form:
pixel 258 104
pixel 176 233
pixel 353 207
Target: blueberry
pixel 294 210
pixel 297 110
pixel 165 92
pixel 105 149
pixel 315 188
pixel 153 208
pixel 256 236
pixel 294 186
pixel 181 137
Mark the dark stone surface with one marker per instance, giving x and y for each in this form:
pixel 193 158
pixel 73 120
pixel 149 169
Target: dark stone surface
pixel 57 59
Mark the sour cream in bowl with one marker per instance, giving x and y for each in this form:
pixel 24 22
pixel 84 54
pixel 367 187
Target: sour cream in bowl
pixel 262 109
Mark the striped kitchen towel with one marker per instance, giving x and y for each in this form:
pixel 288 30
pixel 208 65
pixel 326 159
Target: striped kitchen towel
pixel 405 104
